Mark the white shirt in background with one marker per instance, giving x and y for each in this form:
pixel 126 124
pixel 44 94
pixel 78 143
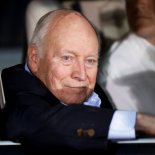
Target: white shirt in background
pixel 128 74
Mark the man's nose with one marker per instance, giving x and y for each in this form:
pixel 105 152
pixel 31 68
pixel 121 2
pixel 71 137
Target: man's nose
pixel 79 71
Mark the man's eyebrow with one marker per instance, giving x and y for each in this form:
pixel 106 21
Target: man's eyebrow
pixel 76 53
pixel 61 52
pixel 96 55
pixel 67 51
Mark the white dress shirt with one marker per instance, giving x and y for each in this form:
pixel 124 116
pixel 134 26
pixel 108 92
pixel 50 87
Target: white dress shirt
pixel 127 74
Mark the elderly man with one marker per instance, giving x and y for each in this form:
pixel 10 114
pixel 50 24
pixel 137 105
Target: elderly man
pixel 51 102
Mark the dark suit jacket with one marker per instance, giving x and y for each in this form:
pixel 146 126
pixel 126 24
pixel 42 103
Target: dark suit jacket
pixel 35 118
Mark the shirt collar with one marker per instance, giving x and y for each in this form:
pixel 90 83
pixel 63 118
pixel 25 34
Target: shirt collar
pixel 27 68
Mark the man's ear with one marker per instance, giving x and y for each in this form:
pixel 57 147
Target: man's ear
pixel 33 58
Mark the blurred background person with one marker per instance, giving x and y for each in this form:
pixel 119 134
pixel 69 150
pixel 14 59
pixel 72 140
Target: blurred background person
pixel 127 74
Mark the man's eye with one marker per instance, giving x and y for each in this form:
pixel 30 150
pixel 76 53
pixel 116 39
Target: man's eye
pixel 91 62
pixel 67 59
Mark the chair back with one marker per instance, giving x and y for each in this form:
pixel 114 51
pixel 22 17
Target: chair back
pixel 2 97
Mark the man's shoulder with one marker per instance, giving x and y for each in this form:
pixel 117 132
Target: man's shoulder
pixel 13 68
pixel 12 75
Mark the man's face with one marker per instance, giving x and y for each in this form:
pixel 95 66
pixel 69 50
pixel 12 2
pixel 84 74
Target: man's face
pixel 141 13
pixel 69 66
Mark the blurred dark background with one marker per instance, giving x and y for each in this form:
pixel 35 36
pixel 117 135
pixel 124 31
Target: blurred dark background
pixel 12 22
pixel 12 31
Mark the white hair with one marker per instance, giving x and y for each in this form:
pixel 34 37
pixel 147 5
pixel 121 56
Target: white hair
pixel 40 32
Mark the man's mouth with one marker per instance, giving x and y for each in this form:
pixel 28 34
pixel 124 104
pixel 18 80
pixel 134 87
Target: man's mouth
pixel 76 89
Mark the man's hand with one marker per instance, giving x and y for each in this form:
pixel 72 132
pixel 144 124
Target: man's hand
pixel 145 124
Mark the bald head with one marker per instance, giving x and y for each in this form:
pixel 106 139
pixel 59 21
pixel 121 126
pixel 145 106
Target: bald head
pixel 52 23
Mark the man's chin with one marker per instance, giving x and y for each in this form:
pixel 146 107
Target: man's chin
pixel 74 96
pixel 72 100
